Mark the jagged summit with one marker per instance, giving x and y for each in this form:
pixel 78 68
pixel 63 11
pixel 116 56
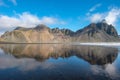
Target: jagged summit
pixel 64 31
pixel 109 29
pixel 97 32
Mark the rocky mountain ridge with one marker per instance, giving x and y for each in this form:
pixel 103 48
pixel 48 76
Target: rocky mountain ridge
pixel 94 32
pixel 97 32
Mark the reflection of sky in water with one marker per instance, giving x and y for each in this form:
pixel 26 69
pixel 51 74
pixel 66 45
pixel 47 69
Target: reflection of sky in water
pixel 65 68
pixel 109 70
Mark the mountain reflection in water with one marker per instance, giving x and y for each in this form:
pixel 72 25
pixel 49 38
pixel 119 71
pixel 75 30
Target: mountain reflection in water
pixel 58 62
pixel 42 52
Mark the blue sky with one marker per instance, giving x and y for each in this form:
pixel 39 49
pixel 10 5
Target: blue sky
pixel 72 14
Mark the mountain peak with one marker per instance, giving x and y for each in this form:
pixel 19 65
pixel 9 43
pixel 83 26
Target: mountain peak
pixel 103 21
pixel 18 28
pixel 98 32
pixel 41 27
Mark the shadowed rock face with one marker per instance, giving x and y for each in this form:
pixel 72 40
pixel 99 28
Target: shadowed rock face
pixel 63 31
pixel 42 52
pixel 109 29
pixel 95 32
pixel 41 27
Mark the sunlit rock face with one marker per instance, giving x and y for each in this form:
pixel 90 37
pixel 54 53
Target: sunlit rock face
pixel 94 32
pixel 39 34
pixel 42 52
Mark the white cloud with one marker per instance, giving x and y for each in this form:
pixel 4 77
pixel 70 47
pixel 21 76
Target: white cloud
pixel 13 1
pixel 49 20
pixel 26 20
pixel 111 69
pixel 96 17
pixel 23 64
pixel 94 7
pixel 111 16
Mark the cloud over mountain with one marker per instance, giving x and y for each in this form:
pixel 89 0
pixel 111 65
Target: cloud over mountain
pixel 111 16
pixel 25 19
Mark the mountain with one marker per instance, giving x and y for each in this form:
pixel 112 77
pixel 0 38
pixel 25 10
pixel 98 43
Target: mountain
pixel 39 34
pixel 94 32
pixel 97 32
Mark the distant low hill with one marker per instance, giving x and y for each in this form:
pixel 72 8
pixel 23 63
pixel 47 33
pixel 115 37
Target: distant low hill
pixel 94 32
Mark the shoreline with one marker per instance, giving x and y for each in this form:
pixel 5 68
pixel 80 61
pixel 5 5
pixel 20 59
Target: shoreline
pixel 75 43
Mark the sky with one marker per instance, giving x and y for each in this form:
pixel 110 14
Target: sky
pixel 71 14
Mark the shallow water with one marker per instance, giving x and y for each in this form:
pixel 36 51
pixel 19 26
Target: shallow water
pixel 58 62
